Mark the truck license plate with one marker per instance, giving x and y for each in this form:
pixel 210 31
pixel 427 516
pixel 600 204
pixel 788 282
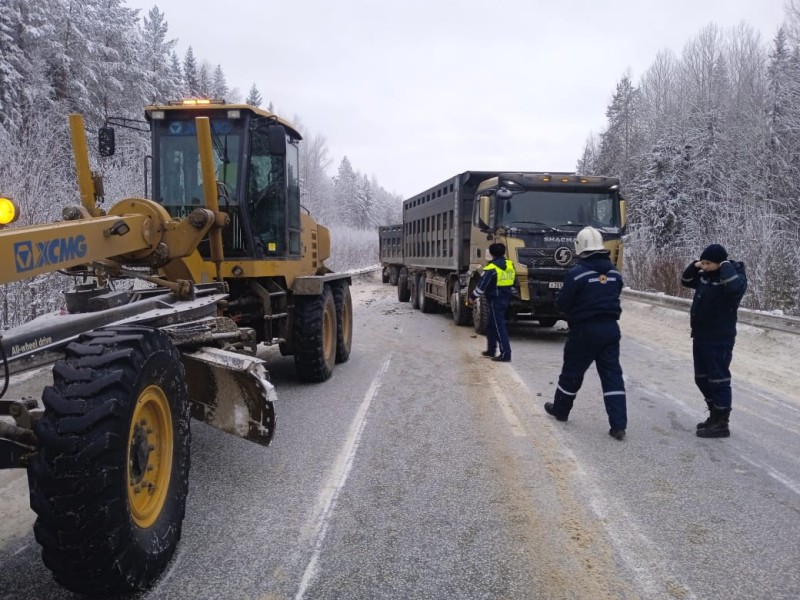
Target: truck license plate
pixel 556 284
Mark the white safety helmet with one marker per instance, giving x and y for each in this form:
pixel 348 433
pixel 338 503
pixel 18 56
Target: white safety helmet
pixel 588 239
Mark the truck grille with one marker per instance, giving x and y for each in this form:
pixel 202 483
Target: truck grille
pixel 544 258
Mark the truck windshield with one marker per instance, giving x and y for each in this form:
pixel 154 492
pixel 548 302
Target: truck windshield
pixel 178 177
pixel 554 209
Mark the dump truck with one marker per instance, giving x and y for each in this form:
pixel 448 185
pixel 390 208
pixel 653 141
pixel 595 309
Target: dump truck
pixel 225 262
pixel 390 252
pixel 447 230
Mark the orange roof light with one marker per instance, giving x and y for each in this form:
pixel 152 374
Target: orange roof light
pixel 565 180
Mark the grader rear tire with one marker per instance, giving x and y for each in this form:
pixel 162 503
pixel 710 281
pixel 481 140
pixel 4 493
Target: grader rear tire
pixel 344 321
pixel 314 336
pixel 109 482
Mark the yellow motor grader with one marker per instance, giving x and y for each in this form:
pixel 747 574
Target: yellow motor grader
pixel 227 261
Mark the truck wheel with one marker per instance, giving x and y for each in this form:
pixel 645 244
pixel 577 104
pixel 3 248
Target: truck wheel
pixel 314 336
pixel 480 316
pixel 393 275
pixel 403 289
pixel 462 314
pixel 110 479
pixel 426 305
pixel 414 291
pixel 344 321
pixel 547 322
pixel 385 275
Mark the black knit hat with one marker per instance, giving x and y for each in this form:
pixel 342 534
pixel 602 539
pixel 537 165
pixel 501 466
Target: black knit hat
pixel 714 253
pixel 497 250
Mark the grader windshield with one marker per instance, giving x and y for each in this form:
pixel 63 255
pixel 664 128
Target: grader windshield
pixel 256 168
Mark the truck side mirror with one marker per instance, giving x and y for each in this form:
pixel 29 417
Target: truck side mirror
pixel 276 139
pixel 105 141
pixel 623 217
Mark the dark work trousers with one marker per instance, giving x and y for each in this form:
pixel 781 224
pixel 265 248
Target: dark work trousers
pixel 596 342
pixel 712 361
pixel 496 329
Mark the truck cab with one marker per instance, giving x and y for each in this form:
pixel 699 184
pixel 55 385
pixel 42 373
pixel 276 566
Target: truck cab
pixel 537 216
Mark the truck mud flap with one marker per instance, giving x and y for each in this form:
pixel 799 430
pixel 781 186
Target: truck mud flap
pixel 231 392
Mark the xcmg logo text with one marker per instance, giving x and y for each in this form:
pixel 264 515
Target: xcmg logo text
pixel 29 255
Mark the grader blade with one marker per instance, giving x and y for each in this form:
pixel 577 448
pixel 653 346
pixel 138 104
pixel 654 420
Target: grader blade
pixel 231 392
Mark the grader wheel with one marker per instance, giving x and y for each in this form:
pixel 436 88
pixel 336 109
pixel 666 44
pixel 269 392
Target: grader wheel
pixel 109 483
pixel 314 336
pixel 344 321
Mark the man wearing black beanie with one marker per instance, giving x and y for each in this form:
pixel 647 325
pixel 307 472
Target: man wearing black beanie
pixel 719 285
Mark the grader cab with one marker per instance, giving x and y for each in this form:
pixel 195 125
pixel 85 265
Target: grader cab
pixel 227 262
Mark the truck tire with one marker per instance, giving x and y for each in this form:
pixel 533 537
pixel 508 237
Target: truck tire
pixel 403 289
pixel 109 481
pixel 344 320
pixel 480 316
pixel 549 322
pixel 426 305
pixel 314 336
pixel 462 314
pixel 414 280
pixel 385 275
pixel 393 273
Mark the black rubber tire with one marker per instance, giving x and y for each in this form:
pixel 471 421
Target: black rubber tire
pixel 414 288
pixel 344 320
pixel 314 336
pixel 462 314
pixel 480 315
pixel 385 275
pixel 403 287
pixel 393 274
pixel 426 305
pixel 549 322
pixel 83 477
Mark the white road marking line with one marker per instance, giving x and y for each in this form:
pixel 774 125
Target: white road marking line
pixel 505 405
pixel 336 480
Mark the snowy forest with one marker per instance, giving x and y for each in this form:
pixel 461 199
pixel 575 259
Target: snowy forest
pixel 707 145
pixel 103 59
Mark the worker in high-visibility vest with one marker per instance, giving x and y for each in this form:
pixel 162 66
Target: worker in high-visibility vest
pixel 495 287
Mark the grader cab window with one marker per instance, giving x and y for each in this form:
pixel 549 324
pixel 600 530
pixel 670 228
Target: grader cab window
pixel 180 181
pixel 273 197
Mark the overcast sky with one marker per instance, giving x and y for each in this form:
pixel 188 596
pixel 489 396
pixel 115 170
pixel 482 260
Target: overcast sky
pixel 415 91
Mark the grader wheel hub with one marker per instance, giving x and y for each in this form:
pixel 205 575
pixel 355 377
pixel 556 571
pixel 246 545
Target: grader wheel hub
pixel 149 456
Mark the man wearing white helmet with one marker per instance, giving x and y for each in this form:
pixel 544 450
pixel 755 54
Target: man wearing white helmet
pixel 590 300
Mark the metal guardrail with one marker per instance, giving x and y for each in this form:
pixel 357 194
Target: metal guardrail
pixel 745 315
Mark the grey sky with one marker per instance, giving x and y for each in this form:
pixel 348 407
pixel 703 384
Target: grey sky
pixel 414 91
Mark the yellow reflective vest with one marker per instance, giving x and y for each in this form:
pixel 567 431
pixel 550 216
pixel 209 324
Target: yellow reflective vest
pixel 504 278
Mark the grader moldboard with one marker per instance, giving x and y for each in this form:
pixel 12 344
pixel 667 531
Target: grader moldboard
pixel 231 261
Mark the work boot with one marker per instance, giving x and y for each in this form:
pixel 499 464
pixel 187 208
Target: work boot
pixel 501 358
pixel 617 434
pixel 718 428
pixel 711 416
pixel 550 410
pixel 487 354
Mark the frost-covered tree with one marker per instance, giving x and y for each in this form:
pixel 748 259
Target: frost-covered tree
pixel 254 96
pixel 162 80
pixel 219 87
pixel 190 73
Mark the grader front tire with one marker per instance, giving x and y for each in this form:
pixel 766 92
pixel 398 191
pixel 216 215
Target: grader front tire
pixel 109 482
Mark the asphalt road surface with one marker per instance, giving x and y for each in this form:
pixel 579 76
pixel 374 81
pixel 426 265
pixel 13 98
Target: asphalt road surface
pixel 422 470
